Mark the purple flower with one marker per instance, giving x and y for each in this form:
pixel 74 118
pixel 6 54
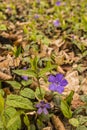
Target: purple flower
pixel 24 77
pixel 58 3
pixel 72 37
pixel 36 16
pixel 57 83
pixel 56 23
pixel 42 107
pixel 9 9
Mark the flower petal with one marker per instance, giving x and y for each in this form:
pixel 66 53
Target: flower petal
pixel 59 89
pixel 58 3
pixel 45 111
pixel 42 102
pixel 63 83
pixel 56 23
pixel 51 78
pixel 24 78
pixel 52 86
pixel 38 105
pixel 59 77
pixel 36 16
pixel 47 105
pixel 40 110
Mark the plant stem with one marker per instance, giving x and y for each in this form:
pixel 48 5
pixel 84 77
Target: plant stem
pixel 39 86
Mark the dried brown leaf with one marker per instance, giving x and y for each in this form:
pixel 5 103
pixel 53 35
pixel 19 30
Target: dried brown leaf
pixel 58 42
pixel 18 41
pixel 4 64
pixel 59 60
pixel 10 36
pixel 16 62
pixel 57 123
pixel 84 85
pixel 47 128
pixel 2 58
pixel 4 76
pixel 9 62
pixel 7 91
pixel 44 85
pixel 73 82
pixel 59 69
pixel 76 102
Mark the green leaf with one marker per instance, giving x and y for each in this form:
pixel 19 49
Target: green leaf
pixel 74 122
pixel 2 92
pixel 3 27
pixel 25 29
pixel 40 124
pixel 1 125
pixel 32 127
pixel 82 128
pixel 28 72
pixel 45 40
pixel 19 102
pixel 45 70
pixel 39 93
pixel 27 122
pixel 80 109
pixel 26 83
pixel 65 108
pixel 39 36
pixel 27 92
pixel 34 63
pixel 18 51
pixel 83 98
pixel 14 84
pixel 79 45
pixel 82 119
pixel 84 22
pixel 1 103
pixel 12 118
pixel 69 97
pixel 56 99
pixel 84 54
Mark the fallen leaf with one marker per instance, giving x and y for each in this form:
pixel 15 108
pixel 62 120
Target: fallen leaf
pixel 16 62
pixel 57 123
pixel 47 128
pixel 76 102
pixel 4 76
pixel 60 70
pixel 84 86
pixel 73 82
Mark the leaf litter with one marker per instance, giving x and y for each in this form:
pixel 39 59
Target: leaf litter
pixel 23 36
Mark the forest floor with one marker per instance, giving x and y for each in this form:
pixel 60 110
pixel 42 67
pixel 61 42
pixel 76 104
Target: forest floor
pixel 39 38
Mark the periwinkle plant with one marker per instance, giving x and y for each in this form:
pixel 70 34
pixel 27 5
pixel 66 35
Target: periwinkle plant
pixel 57 84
